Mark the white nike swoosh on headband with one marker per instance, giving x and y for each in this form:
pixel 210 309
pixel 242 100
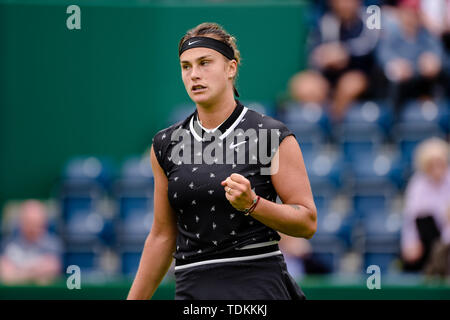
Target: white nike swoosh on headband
pixel 191 43
pixel 232 146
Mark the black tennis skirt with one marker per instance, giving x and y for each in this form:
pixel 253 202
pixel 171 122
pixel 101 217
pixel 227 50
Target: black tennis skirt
pixel 258 279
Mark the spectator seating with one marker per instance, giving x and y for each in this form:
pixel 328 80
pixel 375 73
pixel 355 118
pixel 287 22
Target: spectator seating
pixel 364 160
pixel 309 123
pixel 418 121
pixel 133 193
pixel 84 185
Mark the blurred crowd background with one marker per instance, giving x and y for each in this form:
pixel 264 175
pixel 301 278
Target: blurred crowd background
pixel 371 112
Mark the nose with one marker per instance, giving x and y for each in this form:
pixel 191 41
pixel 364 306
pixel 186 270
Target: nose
pixel 195 73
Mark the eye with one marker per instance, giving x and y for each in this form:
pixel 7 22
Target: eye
pixel 204 62
pixel 185 67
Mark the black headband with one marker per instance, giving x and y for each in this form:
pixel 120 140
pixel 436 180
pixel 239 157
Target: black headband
pixel 206 42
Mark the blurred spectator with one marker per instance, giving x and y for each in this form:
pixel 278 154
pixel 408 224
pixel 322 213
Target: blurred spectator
pixel 293 250
pixel 427 204
pixel 309 87
pixel 32 255
pixel 411 57
pixel 342 57
pixel 436 18
pixel 439 262
pixel 299 257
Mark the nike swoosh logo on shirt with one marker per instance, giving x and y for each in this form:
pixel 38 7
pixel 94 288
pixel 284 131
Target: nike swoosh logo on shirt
pixel 232 146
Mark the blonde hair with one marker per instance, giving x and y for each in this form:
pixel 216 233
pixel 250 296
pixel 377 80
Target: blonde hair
pixel 430 149
pixel 217 32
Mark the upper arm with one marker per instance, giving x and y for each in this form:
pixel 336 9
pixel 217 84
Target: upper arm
pixel 289 176
pixel 164 222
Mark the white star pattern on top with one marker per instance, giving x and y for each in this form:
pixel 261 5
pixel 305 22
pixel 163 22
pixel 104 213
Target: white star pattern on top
pixel 204 220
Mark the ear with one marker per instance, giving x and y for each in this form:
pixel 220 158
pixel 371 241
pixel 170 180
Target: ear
pixel 232 69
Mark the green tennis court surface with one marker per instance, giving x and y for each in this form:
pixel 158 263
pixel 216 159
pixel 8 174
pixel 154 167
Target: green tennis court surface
pixel 316 288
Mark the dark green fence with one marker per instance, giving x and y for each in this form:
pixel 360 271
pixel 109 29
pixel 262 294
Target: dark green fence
pixel 107 88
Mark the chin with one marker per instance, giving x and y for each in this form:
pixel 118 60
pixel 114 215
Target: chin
pixel 201 98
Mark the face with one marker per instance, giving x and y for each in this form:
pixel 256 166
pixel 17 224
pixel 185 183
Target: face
pixel 33 222
pixel 345 9
pixel 409 18
pixel 207 75
pixel 436 169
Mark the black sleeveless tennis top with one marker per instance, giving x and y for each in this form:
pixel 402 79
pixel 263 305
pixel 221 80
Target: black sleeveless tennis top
pixel 195 161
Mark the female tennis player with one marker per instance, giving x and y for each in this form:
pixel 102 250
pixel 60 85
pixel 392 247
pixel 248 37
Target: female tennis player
pixel 215 208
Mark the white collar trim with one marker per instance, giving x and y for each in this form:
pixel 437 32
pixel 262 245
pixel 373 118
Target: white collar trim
pixel 226 133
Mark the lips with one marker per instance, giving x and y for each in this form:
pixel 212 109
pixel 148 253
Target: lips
pixel 198 88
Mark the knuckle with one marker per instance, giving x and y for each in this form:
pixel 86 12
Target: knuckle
pixel 235 176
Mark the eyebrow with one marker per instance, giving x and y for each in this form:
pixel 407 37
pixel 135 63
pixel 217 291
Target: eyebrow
pixel 200 58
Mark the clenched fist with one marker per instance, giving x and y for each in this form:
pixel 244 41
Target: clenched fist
pixel 238 191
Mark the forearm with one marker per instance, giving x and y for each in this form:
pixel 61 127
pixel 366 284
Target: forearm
pixel 9 273
pixel 155 261
pixel 291 219
pixel 45 268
